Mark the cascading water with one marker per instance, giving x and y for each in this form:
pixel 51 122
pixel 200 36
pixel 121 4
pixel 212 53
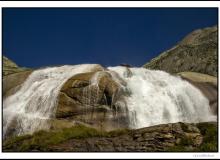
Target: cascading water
pixel 158 98
pixel 91 92
pixel 34 104
pixel 155 97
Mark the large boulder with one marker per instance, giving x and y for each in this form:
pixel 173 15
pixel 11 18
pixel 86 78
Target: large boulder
pixel 91 98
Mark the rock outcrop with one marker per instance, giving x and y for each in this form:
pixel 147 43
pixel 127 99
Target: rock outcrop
pixel 206 84
pixel 156 138
pixel 12 82
pixel 160 138
pixel 92 103
pixel 13 76
pixel 199 77
pixel 197 52
pixel 9 67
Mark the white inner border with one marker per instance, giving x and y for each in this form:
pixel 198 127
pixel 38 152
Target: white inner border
pixel 100 155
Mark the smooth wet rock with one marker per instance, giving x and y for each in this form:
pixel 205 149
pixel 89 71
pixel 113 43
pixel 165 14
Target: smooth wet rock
pixel 12 82
pixel 90 98
pixel 199 77
pixel 206 84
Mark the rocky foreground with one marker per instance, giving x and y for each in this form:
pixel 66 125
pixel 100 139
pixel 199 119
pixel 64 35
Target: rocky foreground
pixel 161 138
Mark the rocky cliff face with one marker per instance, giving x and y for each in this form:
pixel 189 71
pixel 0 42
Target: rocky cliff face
pixel 197 52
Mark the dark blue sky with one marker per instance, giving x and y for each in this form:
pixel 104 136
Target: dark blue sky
pixel 42 37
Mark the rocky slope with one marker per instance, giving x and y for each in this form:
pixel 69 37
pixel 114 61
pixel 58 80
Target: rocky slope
pixel 160 138
pixel 9 67
pixel 197 52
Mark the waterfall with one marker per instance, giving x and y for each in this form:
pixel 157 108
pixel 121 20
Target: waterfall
pixel 157 97
pixel 154 97
pixel 30 108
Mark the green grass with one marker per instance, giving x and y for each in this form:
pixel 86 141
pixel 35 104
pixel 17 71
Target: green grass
pixel 210 137
pixel 184 144
pixel 209 132
pixel 42 139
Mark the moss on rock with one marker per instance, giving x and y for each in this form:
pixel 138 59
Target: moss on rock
pixel 41 140
pixel 176 137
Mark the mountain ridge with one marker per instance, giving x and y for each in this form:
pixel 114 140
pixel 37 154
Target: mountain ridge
pixel 197 52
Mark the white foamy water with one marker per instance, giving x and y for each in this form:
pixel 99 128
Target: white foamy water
pixel 158 98
pixel 154 97
pixel 30 108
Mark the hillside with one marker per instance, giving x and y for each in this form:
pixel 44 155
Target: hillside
pixel 10 67
pixel 197 52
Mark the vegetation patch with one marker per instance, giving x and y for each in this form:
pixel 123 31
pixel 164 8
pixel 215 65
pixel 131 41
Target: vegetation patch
pixel 41 140
pixel 210 137
pixel 45 140
pixel 209 132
